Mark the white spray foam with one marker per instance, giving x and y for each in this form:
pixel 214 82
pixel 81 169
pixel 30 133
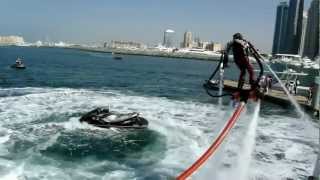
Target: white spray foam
pixel 15 174
pixel 189 127
pixel 180 122
pixel 245 156
pixel 291 98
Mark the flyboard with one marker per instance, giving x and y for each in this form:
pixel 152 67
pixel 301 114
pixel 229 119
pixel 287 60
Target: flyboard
pixel 242 96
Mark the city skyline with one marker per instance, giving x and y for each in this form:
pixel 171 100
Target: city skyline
pixel 139 21
pixel 290 28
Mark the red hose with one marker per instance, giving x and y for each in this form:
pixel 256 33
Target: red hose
pixel 215 144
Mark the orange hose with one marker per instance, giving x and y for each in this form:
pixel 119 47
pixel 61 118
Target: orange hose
pixel 215 144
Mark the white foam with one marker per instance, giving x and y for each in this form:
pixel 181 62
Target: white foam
pixel 15 174
pixel 245 156
pixel 115 175
pixel 189 128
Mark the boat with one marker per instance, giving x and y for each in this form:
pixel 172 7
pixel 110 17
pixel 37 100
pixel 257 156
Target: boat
pixel 309 64
pixel 287 59
pixel 116 56
pixel 104 118
pixel 19 64
pixel 290 78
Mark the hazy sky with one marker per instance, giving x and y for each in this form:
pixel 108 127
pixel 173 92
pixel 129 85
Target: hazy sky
pixel 85 21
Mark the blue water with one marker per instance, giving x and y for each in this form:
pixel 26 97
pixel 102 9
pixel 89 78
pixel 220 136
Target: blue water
pixel 41 137
pixel 50 67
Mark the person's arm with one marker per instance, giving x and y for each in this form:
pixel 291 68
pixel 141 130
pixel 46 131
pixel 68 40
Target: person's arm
pixel 226 54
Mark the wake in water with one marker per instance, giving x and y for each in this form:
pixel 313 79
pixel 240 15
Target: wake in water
pixel 240 166
pixel 252 145
pixel 245 156
pixel 46 135
pixel 44 139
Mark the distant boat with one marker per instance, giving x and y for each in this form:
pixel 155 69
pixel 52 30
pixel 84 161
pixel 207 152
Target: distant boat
pixel 290 78
pixel 19 64
pixel 288 59
pixel 116 56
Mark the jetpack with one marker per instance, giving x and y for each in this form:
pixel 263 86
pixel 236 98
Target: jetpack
pixel 215 86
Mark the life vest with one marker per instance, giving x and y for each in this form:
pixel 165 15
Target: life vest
pixel 240 49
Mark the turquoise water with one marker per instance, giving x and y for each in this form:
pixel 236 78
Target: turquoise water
pixel 48 67
pixel 41 137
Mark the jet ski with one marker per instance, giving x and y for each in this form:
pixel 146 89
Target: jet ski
pixel 19 64
pixel 103 118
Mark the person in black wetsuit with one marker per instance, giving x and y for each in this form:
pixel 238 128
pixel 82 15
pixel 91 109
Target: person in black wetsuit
pixel 241 49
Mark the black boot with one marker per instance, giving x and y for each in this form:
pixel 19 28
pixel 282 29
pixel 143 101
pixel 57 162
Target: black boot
pixel 240 84
pixel 253 84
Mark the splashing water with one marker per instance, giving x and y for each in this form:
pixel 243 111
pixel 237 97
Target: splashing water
pixel 244 158
pixel 291 98
pixel 221 84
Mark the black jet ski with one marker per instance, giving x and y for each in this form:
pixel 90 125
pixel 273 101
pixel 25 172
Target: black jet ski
pixel 103 118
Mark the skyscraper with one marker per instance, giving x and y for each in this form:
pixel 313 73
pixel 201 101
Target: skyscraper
pixel 168 38
pixel 294 26
pixel 311 48
pixel 280 31
pixel 187 40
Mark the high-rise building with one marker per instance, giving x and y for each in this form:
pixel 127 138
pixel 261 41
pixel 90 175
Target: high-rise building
pixel 311 47
pixel 168 38
pixel 303 34
pixel 294 26
pixel 187 40
pixel 280 31
pixel 216 47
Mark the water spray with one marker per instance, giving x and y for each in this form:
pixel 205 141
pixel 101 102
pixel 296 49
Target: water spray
pixel 293 100
pixel 221 83
pixel 244 160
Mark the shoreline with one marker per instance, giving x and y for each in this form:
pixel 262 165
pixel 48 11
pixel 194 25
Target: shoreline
pixel 154 53
pixel 142 52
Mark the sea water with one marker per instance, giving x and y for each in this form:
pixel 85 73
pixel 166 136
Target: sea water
pixel 41 137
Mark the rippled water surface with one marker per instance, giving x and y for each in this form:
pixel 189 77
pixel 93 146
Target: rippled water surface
pixel 41 137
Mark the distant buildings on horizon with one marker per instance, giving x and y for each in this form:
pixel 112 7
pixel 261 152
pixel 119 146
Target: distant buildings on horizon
pixel 19 41
pixel 297 32
pixel 168 44
pixel 196 43
pixel 11 40
pixel 125 44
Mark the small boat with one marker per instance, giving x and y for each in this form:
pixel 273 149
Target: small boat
pixel 116 56
pixel 19 64
pixel 103 118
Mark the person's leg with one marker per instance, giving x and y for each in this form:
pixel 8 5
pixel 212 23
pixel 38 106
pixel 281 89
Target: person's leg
pixel 250 70
pixel 241 78
pixel 242 74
